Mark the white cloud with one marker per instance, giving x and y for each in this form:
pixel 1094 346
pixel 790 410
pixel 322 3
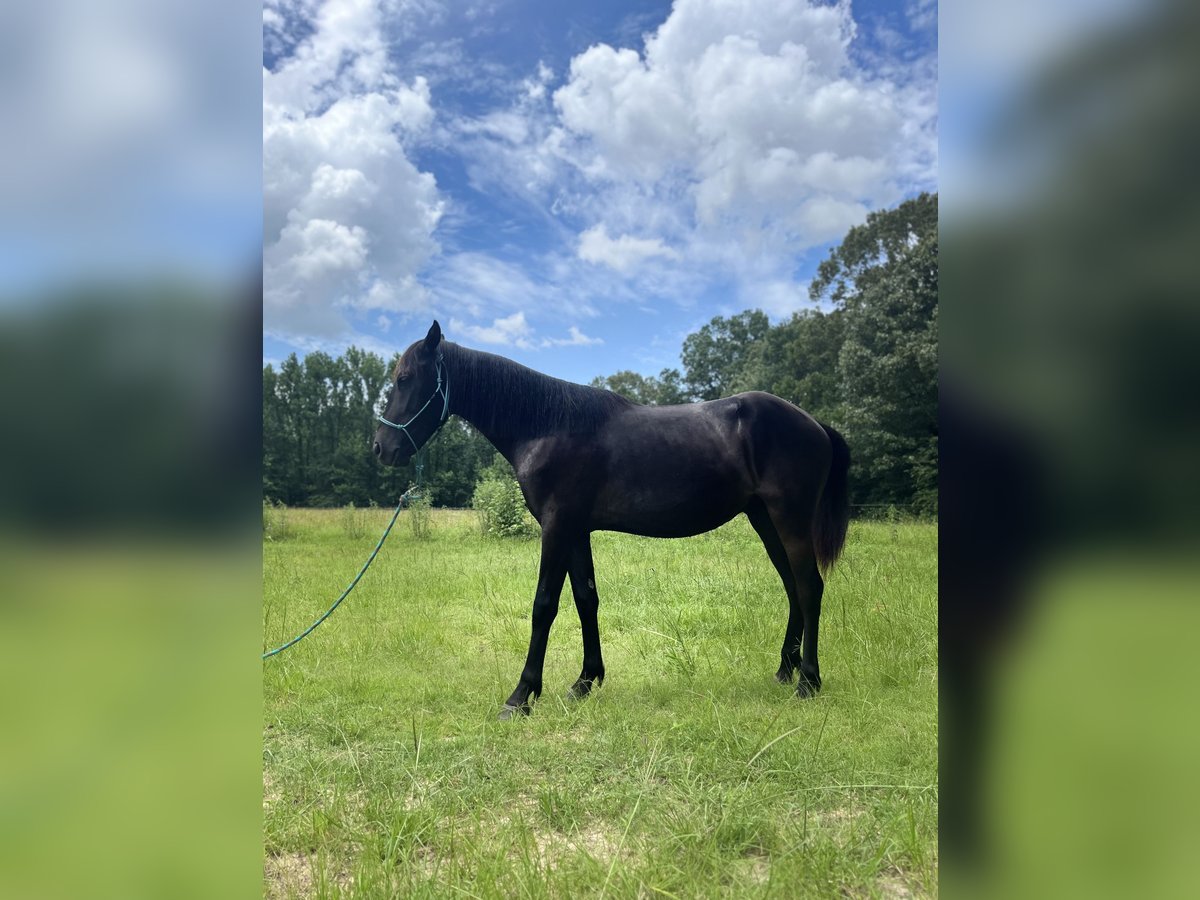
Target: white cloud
pixel 320 247
pixel 640 124
pixel 510 331
pixel 747 129
pixel 125 145
pixel 478 283
pixel 534 88
pixel 348 220
pixel 575 338
pixel 728 143
pixel 515 331
pixel 623 253
pixel 922 14
pixel 778 299
pixel 505 125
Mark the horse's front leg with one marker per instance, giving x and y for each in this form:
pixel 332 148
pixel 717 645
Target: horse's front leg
pixel 551 574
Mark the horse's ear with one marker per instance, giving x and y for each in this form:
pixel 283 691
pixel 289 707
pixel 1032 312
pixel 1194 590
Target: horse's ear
pixel 434 337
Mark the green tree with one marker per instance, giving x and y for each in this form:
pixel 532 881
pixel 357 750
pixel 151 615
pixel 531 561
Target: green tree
pixel 797 360
pixel 291 433
pixel 715 356
pixel 665 390
pixel 884 277
pixel 357 381
pixel 319 418
pixel 276 470
pixel 454 459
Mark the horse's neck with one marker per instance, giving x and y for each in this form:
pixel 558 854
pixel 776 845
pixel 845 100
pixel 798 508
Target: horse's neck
pixel 481 401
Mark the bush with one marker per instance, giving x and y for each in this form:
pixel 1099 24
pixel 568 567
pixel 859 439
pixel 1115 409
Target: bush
pixel 276 526
pixel 354 522
pixel 501 505
pixel 418 513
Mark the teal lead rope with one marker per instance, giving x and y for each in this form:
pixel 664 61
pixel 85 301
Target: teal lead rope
pixel 346 593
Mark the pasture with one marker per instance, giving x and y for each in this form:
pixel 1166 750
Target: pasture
pixel 690 773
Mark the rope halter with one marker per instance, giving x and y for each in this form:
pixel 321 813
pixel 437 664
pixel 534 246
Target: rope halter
pixel 443 388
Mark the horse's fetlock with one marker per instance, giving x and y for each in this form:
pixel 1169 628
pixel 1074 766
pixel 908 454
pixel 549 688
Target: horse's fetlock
pixel 809 682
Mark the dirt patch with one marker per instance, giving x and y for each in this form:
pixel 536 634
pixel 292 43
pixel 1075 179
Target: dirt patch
pixel 288 874
pixel 839 816
pixel 755 868
pixel 425 861
pixel 292 875
pixel 598 843
pixel 889 884
pixel 893 887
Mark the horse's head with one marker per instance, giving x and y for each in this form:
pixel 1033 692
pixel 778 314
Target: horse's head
pixel 418 403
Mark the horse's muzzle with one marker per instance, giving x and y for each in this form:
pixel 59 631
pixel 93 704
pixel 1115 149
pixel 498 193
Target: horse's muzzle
pixel 393 456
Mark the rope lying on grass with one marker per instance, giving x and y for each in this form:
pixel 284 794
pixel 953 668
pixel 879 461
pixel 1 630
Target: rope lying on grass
pixel 311 628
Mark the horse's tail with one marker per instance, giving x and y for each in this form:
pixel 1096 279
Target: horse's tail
pixel 832 515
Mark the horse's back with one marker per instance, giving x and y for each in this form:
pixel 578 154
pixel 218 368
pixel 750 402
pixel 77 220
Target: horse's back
pixel 680 470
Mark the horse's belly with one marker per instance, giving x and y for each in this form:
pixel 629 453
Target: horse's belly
pixel 666 526
pixel 673 472
pixel 672 506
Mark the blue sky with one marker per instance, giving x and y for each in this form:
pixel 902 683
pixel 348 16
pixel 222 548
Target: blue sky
pixel 575 185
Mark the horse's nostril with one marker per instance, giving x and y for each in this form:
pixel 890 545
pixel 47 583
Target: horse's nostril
pixel 378 449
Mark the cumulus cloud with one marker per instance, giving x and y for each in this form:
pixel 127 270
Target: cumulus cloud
pixel 126 148
pixel 779 298
pixel 719 149
pixel 509 331
pixel 757 123
pixel 515 331
pixel 623 253
pixel 348 220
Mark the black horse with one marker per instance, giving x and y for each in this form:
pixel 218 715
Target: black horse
pixel 588 460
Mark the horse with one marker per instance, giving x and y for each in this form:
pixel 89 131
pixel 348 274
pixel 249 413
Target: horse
pixel 590 460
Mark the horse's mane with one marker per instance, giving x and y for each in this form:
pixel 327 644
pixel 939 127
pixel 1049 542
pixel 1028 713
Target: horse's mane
pixel 505 397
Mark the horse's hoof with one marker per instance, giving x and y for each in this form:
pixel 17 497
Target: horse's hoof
pixel 582 687
pixel 806 689
pixel 508 711
pixel 783 676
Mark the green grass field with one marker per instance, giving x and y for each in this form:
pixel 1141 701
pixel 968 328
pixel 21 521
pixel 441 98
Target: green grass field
pixel 690 773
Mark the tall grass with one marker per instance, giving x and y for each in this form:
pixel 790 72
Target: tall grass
pixel 689 773
pixel 277 525
pixel 354 522
pixel 419 516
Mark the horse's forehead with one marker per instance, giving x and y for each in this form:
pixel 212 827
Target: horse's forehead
pixel 405 357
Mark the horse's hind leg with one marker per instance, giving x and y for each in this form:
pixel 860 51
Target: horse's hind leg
pixel 789 655
pixel 809 588
pixel 587 603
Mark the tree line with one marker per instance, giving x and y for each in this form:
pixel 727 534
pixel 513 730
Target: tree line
pixel 864 361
